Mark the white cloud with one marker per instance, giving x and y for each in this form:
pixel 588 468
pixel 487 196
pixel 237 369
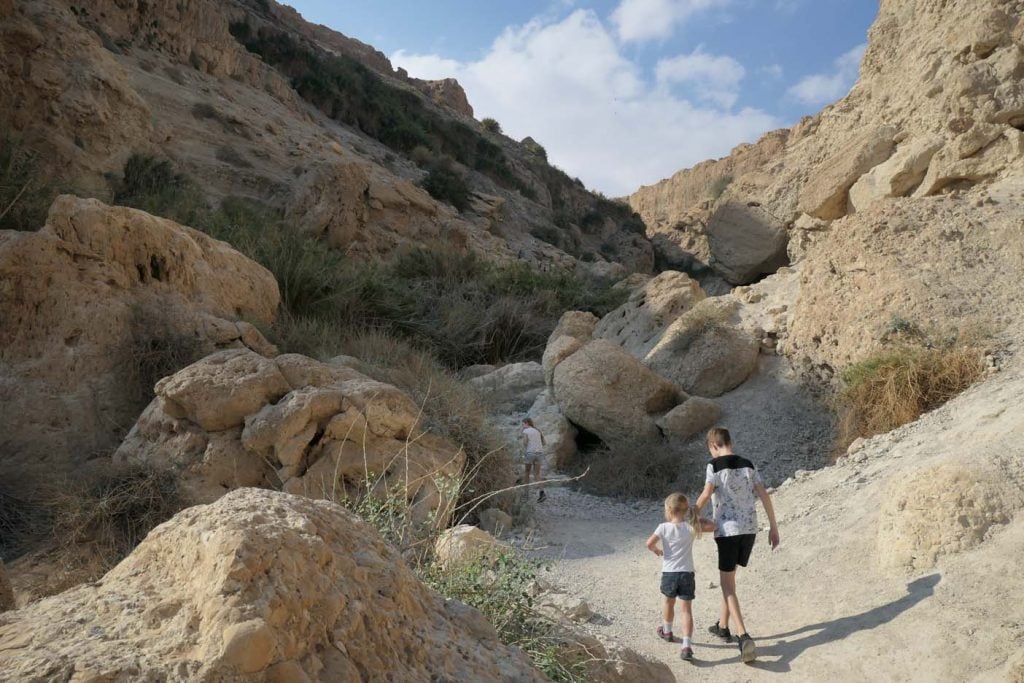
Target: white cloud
pixel 823 88
pixel 772 71
pixel 714 79
pixel 640 20
pixel 567 84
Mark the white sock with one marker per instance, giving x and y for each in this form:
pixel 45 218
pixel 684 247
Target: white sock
pixel 667 627
pixel 686 641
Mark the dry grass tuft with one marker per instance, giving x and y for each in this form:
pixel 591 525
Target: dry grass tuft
pixel 898 386
pixel 643 470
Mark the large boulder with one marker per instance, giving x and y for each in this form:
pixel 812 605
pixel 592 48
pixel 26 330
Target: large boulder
pixel 638 324
pixel 605 390
pixel 259 586
pixel 608 661
pixel 577 324
pixel 559 434
pixel 464 544
pixel 237 419
pixel 746 242
pixel 825 193
pixel 703 353
pixel 689 418
pixel 946 509
pixel 511 388
pixel 95 301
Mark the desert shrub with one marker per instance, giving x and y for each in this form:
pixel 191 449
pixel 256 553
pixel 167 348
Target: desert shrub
pixel 718 186
pixel 897 386
pixel 25 196
pixel 95 519
pixel 534 148
pixel 491 125
pixel 157 348
pixel 446 184
pixel 205 110
pixel 153 185
pixel 642 470
pixel 421 156
pixel 230 155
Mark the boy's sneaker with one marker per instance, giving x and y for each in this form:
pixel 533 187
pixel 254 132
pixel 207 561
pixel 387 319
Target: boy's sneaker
pixel 686 654
pixel 722 633
pixel 667 637
pixel 748 652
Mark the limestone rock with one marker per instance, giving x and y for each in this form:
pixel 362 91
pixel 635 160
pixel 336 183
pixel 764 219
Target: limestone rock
pixel 6 593
pixel 233 420
pixel 690 418
pixel 474 371
pixel 944 510
pixel 638 324
pixel 824 195
pixel 465 543
pixel 94 293
pixel 555 352
pixel 559 434
pixel 447 92
pixel 511 388
pixel 898 176
pixel 577 324
pixel 497 523
pixel 1015 668
pixel 565 606
pixel 259 586
pixel 746 242
pixel 607 391
pixel 703 353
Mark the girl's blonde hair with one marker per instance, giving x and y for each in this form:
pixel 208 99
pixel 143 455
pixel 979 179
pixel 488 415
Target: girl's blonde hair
pixel 677 505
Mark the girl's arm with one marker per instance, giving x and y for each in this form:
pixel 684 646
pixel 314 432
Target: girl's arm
pixel 706 524
pixel 652 545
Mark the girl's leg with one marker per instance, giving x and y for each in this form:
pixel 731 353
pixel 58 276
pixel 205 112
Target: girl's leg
pixel 686 627
pixel 668 612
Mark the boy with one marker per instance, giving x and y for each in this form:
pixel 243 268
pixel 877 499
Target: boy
pixel 733 484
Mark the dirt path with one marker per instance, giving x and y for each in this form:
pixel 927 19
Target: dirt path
pixel 821 607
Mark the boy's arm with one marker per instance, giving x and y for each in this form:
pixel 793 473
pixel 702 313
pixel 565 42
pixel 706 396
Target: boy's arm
pixel 652 545
pixel 766 500
pixel 706 524
pixel 705 496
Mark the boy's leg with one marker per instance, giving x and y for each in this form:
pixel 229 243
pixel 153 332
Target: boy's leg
pixel 730 603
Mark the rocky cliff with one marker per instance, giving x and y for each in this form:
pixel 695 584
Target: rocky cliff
pixel 249 99
pixel 885 200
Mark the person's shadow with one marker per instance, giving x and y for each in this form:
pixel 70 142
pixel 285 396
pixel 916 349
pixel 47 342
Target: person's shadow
pixel 777 656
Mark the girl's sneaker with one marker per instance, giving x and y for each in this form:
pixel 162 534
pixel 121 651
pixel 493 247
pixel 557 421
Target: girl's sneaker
pixel 667 637
pixel 722 633
pixel 686 654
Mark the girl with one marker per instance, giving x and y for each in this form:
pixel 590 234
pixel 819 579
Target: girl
pixel 676 534
pixel 534 442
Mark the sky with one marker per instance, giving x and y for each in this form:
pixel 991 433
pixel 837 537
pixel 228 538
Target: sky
pixel 623 93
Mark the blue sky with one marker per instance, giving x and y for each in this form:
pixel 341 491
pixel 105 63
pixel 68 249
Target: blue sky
pixel 623 92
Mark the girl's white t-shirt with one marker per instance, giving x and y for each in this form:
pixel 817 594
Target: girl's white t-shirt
pixel 534 444
pixel 677 544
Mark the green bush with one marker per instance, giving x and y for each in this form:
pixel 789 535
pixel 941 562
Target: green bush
pixel 718 186
pixel 491 125
pixel 153 185
pixel 446 184
pixel 24 196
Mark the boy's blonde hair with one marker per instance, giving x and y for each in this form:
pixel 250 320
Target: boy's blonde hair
pixel 719 437
pixel 677 505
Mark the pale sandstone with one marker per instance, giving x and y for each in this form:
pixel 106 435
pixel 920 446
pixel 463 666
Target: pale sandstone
pixel 605 390
pixel 690 418
pixel 511 388
pixel 90 291
pixel 465 544
pixel 555 352
pixel 746 242
pixel 825 194
pixel 259 586
pixel 898 175
pixel 638 324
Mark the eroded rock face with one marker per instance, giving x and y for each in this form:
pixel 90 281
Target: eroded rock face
pixel 236 419
pixel 607 391
pixel 944 510
pixel 638 324
pixel 91 296
pixel 746 242
pixel 824 194
pixel 511 388
pixel 703 352
pixel 259 586
pixel 690 418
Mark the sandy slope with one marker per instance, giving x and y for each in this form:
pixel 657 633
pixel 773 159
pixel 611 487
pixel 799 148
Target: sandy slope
pixel 821 607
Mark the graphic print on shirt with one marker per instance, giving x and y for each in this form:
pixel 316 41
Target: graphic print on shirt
pixel 734 499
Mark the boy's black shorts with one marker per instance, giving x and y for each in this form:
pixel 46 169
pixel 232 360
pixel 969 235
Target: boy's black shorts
pixel 678 585
pixel 734 550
